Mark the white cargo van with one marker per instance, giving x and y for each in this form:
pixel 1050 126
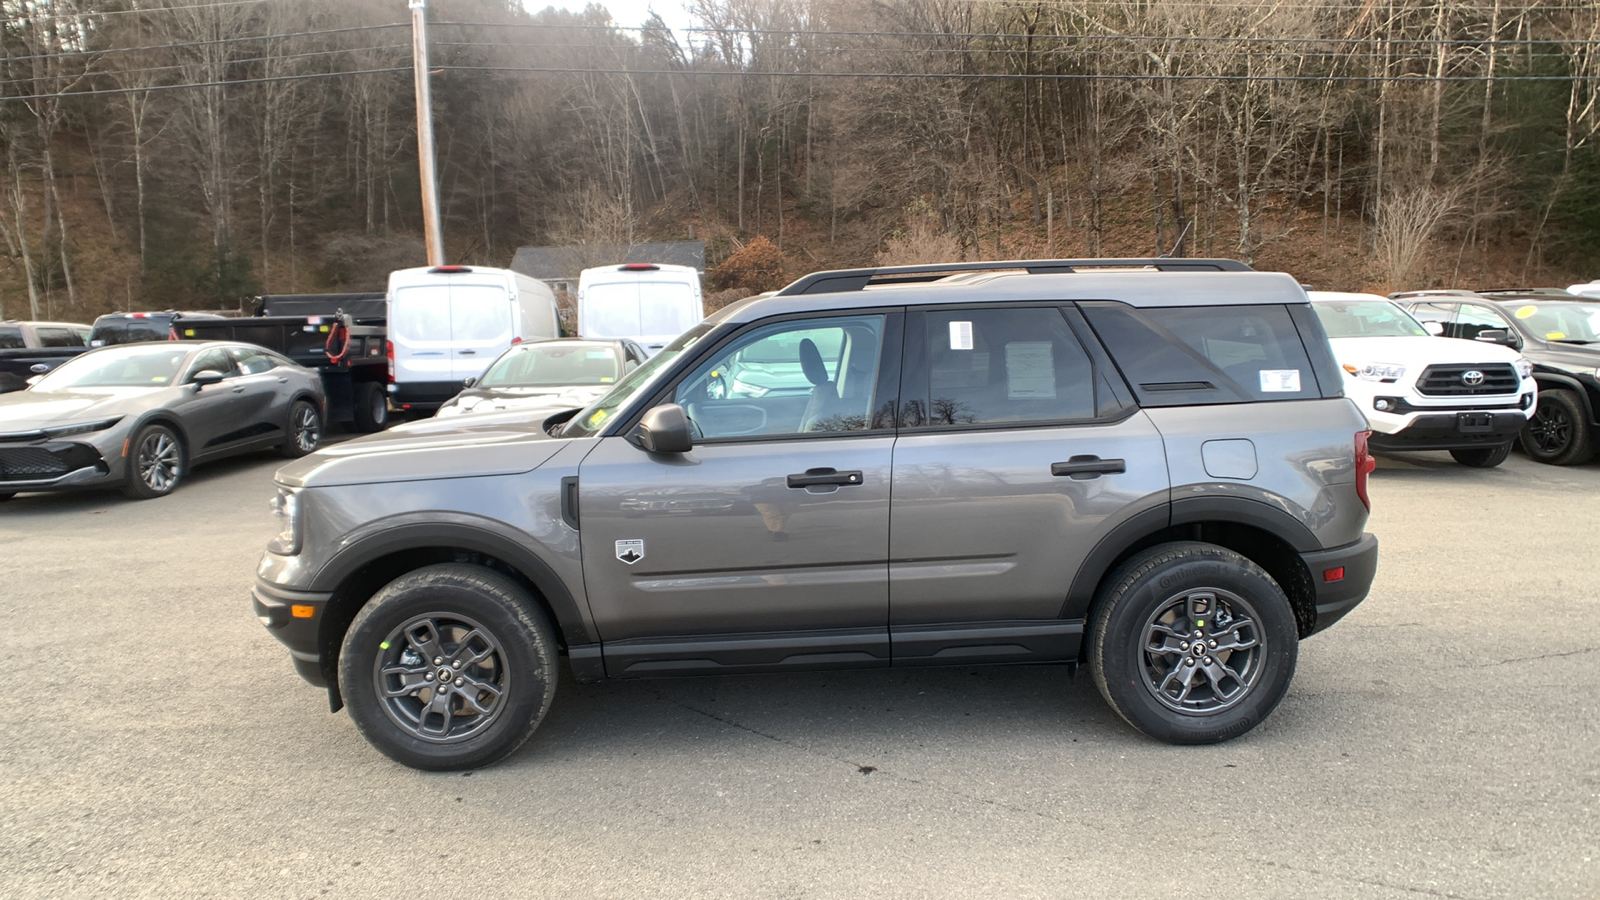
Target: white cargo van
pixel 447 323
pixel 645 302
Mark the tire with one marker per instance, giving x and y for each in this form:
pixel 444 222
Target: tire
pixel 371 407
pixel 1195 587
pixel 305 430
pixel 1482 457
pixel 445 612
pixel 6 495
pixel 1559 432
pixel 156 463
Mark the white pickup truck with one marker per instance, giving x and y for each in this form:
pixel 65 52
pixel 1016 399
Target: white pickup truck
pixel 1420 392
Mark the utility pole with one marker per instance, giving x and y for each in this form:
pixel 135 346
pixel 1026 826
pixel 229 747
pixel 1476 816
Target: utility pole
pixel 430 185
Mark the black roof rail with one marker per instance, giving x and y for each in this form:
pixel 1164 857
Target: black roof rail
pixel 841 280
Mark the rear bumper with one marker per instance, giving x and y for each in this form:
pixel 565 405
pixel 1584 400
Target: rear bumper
pixel 422 395
pixel 277 609
pixel 1335 598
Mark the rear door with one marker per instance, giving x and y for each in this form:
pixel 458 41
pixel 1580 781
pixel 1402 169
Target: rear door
pixel 1017 454
pixel 481 325
pixel 419 329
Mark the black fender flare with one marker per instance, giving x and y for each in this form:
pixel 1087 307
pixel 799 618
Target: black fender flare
pixel 1567 383
pixel 1190 510
pixel 461 536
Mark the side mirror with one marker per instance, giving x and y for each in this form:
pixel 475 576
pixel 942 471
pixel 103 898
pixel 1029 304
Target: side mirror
pixel 469 381
pixel 206 377
pixel 34 380
pixel 665 429
pixel 1433 328
pixel 1495 336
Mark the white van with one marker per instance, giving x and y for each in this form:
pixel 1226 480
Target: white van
pixel 645 302
pixel 447 323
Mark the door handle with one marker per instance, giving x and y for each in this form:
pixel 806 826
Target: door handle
pixel 814 477
pixel 468 352
pixel 1082 468
pixel 238 390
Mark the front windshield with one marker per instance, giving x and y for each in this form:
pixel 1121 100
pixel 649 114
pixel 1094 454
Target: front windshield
pixel 1366 318
pixel 1565 323
pixel 117 367
pixel 592 418
pixel 553 364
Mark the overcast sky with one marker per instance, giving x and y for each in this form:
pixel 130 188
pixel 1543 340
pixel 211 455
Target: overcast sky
pixel 627 13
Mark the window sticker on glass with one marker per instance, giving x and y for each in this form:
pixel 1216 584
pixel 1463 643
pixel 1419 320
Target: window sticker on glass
pixel 1527 311
pixel 960 335
pixel 1280 381
pixel 1030 371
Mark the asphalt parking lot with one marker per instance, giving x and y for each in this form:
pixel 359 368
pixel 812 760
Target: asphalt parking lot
pixel 1442 741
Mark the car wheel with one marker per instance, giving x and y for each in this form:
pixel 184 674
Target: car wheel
pixel 1482 457
pixel 305 430
pixel 474 631
pixel 7 496
pixel 371 407
pixel 1191 643
pixel 1559 432
pixel 155 463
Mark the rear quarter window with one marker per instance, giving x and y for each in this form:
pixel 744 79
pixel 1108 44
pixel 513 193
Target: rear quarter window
pixel 11 338
pixel 1188 355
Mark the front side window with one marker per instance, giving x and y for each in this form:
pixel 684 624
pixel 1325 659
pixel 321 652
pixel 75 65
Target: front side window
pixel 999 367
pixel 796 377
pixel 58 337
pixel 213 360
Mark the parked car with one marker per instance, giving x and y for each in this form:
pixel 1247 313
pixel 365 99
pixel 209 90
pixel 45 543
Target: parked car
pixel 1588 289
pixel 34 348
pixel 649 303
pixel 1147 467
pixel 1419 393
pixel 1560 337
pixel 140 416
pixel 565 373
pixel 446 323
pixel 137 327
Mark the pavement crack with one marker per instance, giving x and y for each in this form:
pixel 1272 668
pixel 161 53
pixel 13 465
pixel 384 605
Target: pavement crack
pixel 1521 659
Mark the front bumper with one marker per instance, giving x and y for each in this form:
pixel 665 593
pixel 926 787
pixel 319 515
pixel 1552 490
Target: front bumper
pixel 50 465
pixel 1335 598
pixel 294 618
pixel 1453 430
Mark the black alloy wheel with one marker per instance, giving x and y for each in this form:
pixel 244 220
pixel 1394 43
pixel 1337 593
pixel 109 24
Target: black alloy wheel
pixel 155 463
pixel 449 667
pixel 1558 433
pixel 1192 643
pixel 305 430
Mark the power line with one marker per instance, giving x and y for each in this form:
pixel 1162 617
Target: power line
pixel 180 66
pixel 63 95
pixel 1001 76
pixel 78 17
pixel 188 44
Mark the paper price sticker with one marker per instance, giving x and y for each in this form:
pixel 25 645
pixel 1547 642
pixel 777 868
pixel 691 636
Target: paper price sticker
pixel 960 335
pixel 1280 381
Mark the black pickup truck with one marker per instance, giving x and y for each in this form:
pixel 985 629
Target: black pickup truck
pixel 34 348
pixel 342 336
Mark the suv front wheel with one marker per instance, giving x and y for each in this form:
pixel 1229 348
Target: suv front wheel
pixel 1191 643
pixel 449 667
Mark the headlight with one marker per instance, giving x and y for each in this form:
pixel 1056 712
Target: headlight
pixel 286 511
pixel 1385 372
pixel 83 428
pixel 1524 368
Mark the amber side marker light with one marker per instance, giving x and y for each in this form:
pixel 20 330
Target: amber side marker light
pixel 302 612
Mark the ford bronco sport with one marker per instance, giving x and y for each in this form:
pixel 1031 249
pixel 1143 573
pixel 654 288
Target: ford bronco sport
pixel 1142 466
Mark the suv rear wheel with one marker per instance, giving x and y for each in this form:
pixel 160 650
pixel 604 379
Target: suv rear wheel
pixel 449 667
pixel 1191 643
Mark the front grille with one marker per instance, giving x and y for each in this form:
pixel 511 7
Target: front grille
pixel 42 463
pixel 1450 380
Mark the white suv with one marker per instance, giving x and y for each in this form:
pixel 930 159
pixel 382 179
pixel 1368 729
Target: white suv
pixel 1421 392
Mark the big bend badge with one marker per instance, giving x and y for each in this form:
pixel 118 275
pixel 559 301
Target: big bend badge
pixel 630 552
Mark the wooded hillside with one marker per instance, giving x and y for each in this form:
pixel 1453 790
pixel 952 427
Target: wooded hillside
pixel 182 153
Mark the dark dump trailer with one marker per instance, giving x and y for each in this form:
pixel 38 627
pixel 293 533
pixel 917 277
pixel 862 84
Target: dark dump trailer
pixel 342 336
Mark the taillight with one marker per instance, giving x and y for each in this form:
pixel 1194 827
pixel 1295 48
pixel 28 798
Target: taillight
pixel 388 347
pixel 1364 466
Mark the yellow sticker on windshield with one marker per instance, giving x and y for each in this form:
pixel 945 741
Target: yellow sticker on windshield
pixel 1526 311
pixel 598 417
pixel 606 379
pixel 1555 335
pixel 188 332
pixel 158 378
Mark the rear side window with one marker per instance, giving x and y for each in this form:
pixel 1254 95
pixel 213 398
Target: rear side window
pixel 58 337
pixel 1010 366
pixel 1185 356
pixel 11 338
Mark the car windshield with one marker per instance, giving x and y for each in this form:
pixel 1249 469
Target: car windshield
pixel 1566 323
pixel 1366 318
pixel 592 418
pixel 553 364
pixel 117 367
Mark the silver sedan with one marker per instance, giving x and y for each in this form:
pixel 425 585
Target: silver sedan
pixel 139 416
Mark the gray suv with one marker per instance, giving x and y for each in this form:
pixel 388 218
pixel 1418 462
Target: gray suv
pixel 1142 466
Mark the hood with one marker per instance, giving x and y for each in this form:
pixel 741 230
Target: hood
pixel 1418 351
pixel 467 447
pixel 477 401
pixel 31 410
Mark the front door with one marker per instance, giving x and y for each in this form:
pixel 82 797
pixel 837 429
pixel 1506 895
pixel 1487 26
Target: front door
pixel 765 547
